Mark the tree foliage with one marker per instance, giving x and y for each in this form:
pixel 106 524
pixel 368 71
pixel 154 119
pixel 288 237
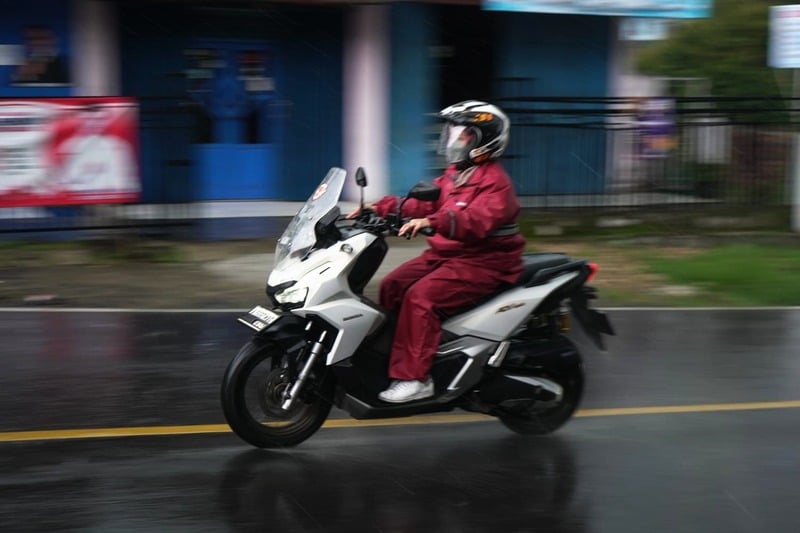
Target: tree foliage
pixel 729 49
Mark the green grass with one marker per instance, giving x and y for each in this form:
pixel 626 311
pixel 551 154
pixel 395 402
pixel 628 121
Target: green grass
pixel 91 251
pixel 658 221
pixel 757 275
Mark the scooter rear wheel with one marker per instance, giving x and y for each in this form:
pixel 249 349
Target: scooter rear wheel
pixel 541 419
pixel 252 394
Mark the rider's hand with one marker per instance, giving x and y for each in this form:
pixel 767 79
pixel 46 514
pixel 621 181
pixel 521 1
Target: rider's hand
pixel 357 211
pixel 413 226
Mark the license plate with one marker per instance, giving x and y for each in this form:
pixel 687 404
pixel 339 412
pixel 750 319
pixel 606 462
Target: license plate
pixel 264 315
pixel 259 318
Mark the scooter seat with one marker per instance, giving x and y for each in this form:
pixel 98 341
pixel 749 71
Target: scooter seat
pixel 534 263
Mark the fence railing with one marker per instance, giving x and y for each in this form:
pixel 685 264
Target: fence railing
pixel 564 152
pixel 607 151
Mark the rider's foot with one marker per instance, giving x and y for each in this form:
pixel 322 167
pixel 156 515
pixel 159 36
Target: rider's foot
pixel 402 390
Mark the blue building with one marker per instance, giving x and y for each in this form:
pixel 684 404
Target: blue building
pixel 256 100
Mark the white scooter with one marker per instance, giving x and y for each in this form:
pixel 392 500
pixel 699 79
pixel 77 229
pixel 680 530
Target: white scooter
pixel 323 343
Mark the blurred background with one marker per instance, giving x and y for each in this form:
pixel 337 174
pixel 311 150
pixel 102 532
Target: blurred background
pixel 151 151
pixel 205 121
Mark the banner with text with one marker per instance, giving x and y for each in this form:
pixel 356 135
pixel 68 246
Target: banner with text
pixel 617 8
pixel 68 151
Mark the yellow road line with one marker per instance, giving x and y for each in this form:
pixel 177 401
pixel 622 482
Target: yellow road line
pixel 707 408
pixel 99 433
pixel 142 431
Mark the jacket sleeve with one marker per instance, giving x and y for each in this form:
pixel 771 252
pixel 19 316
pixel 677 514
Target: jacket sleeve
pixel 493 205
pixel 386 205
pixel 417 209
pixel 412 208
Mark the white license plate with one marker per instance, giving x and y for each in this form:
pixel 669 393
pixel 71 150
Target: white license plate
pixel 266 316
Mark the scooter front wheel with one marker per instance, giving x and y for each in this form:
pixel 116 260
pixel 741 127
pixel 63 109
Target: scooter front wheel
pixel 252 395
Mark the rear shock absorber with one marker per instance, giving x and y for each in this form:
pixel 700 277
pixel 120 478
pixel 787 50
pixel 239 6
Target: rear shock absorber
pixel 563 318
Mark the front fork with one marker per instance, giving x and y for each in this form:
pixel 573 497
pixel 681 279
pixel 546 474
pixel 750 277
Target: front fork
pixel 316 349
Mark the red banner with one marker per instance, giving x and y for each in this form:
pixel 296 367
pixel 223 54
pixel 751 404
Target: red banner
pixel 68 151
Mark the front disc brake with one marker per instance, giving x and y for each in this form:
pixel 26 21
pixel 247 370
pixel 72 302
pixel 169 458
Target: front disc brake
pixel 273 392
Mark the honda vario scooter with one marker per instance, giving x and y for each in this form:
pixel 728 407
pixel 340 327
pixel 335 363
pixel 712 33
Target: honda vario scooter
pixel 320 342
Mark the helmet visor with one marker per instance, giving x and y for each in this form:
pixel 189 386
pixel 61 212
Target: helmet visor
pixel 455 142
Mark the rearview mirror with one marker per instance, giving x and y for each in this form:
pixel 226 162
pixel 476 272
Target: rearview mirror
pixel 427 192
pixel 361 177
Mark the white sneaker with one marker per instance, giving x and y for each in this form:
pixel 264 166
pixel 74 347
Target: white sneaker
pixel 402 390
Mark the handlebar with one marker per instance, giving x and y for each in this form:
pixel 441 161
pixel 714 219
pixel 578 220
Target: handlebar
pixel 368 220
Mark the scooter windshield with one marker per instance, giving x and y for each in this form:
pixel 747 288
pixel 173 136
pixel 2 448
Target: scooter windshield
pixel 299 235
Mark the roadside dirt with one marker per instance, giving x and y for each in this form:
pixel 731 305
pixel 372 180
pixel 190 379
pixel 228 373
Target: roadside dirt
pixel 169 275
pixel 232 275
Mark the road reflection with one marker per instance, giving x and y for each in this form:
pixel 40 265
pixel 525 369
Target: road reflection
pixel 505 484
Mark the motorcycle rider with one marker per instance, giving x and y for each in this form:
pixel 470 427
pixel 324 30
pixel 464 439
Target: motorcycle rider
pixel 476 248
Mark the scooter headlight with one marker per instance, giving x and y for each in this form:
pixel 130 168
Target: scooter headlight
pixel 292 297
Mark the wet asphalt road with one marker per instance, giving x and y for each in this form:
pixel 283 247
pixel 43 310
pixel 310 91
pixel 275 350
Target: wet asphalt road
pixel 733 466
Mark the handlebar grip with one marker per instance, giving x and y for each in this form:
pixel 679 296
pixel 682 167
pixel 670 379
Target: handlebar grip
pixel 422 231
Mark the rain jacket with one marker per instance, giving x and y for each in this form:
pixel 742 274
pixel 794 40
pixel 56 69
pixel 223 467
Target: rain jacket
pixel 473 220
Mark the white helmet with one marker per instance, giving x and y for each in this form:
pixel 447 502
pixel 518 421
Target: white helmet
pixel 474 132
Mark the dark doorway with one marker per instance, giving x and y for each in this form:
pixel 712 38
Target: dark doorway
pixel 466 54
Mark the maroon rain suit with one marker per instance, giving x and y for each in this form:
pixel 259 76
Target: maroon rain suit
pixel 473 253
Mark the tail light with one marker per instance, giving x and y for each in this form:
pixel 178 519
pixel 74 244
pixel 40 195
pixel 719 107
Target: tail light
pixel 592 271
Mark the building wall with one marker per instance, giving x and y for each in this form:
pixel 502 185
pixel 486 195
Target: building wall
pixel 540 56
pixel 532 55
pixel 413 88
pixel 441 53
pixel 559 55
pixel 15 17
pixel 313 99
pixel 306 106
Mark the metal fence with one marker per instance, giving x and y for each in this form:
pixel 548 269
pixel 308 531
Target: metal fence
pixel 600 152
pixel 565 152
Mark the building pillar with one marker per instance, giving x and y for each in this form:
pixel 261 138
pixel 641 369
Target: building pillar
pixel 95 61
pixel 366 98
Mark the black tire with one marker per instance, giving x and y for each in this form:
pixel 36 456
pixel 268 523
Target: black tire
pixel 541 420
pixel 250 395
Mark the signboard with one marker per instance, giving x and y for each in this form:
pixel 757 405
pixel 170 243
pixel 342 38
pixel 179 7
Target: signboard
pixel 655 119
pixel 784 52
pixel 68 151
pixel 784 36
pixel 10 54
pixel 617 8
pixel 643 29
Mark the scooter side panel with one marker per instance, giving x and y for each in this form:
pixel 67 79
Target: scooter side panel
pixel 352 319
pixel 496 319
